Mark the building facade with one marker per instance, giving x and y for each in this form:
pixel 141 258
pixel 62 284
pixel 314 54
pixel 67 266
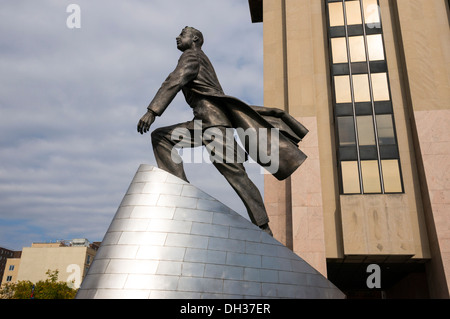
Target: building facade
pixel 5 254
pixel 11 270
pixel 72 259
pixel 370 79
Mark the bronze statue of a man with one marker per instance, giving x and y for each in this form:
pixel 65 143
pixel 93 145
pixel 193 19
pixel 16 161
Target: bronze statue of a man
pixel 196 78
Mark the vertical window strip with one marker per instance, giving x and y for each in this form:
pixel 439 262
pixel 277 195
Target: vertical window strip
pixel 371 87
pixel 352 91
pixel 372 96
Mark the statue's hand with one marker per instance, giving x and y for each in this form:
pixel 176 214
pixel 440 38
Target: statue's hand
pixel 145 122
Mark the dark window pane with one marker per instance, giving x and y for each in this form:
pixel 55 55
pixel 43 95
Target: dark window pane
pixel 346 129
pixel 348 153
pixel 374 29
pixel 383 107
pixel 366 135
pixel 389 152
pixel 378 66
pixel 354 30
pixel 337 32
pixel 341 69
pixel 359 68
pixel 363 108
pixel 385 127
pixel 368 152
pixel 344 109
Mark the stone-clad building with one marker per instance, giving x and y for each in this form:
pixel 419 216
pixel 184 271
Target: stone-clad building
pixel 370 79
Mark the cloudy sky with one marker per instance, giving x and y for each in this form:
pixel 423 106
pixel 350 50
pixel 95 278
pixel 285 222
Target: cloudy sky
pixel 70 100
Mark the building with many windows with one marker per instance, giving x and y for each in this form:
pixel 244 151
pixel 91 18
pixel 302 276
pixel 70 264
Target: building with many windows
pixel 370 79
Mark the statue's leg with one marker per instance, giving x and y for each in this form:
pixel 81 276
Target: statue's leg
pixel 164 139
pixel 236 175
pixel 234 172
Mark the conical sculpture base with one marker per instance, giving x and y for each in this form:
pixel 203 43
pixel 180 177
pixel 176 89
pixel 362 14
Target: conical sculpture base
pixel 169 239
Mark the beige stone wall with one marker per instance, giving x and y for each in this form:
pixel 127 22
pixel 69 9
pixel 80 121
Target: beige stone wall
pixel 274 56
pixel 307 204
pixel 275 96
pixel 46 245
pixel 434 138
pixel 425 34
pixel 407 150
pixel 433 131
pixel 377 226
pixel 423 27
pixel 36 261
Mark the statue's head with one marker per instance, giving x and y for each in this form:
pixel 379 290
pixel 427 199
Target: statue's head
pixel 189 38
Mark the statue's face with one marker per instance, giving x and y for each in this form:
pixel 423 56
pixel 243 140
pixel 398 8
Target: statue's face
pixel 185 40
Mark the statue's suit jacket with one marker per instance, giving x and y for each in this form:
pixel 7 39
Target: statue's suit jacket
pixel 195 76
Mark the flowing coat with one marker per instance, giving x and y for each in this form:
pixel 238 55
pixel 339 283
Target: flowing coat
pixel 195 76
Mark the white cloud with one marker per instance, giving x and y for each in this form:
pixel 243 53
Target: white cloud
pixel 70 100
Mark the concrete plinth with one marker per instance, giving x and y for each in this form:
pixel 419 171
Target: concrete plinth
pixel 169 239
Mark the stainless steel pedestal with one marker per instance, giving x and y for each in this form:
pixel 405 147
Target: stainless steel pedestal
pixel 169 239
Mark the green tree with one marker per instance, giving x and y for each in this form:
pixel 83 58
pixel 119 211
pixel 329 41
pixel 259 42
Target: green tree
pixel 51 288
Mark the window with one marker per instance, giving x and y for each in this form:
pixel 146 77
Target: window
pixel 339 50
pixel 361 89
pixel 371 177
pixel 366 135
pixel 11 267
pixel 346 129
pixel 371 13
pixel 353 12
pixel 391 176
pixel 343 92
pixel 350 177
pixel 357 49
pixel 386 135
pixel 375 47
pixel 380 87
pixel 368 153
pixel 9 278
pixel 336 14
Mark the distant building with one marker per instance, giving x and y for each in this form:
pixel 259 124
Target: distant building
pixel 71 258
pixel 11 270
pixel 4 255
